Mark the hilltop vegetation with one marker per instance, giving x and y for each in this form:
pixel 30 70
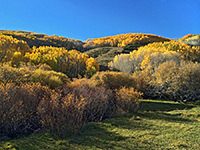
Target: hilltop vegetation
pixel 167 70
pixel 37 40
pixel 191 39
pixel 104 49
pixel 124 40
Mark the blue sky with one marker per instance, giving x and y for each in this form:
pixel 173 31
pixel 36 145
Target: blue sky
pixel 83 19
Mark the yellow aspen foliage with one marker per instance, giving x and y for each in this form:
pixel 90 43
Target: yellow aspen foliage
pixel 10 45
pixel 17 57
pixel 154 54
pixel 35 39
pixel 124 40
pixel 188 52
pixel 91 66
pixel 145 62
pixel 73 63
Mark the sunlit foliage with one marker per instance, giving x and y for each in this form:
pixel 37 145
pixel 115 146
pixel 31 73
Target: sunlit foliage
pixel 73 63
pixel 127 99
pixel 124 40
pixel 12 49
pixel 29 73
pixel 114 80
pixel 188 52
pixel 154 54
pixel 36 39
pixel 191 39
pixel 177 81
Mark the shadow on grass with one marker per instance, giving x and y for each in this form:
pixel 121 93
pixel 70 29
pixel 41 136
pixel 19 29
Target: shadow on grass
pixel 164 116
pixel 98 135
pixel 163 106
pixel 106 134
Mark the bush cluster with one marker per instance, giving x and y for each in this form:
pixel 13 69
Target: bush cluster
pixel 27 107
pixel 30 73
pixel 163 70
pixel 114 80
pixel 18 107
pixel 75 105
pixel 177 81
pixel 126 98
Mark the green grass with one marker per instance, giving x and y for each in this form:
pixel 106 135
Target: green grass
pixel 158 125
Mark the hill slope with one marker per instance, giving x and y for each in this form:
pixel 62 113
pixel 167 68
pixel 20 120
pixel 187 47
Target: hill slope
pixel 35 39
pixel 106 48
pixel 124 40
pixel 191 39
pixel 103 49
pixel 104 55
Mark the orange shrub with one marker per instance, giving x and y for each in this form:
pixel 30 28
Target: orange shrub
pixel 114 80
pixel 75 105
pixel 127 99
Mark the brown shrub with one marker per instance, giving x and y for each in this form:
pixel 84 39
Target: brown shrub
pixel 114 80
pixel 142 79
pixel 72 106
pixel 18 107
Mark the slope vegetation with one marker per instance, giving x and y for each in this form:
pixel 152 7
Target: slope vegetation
pixel 124 40
pixel 104 49
pixel 35 39
pixel 191 39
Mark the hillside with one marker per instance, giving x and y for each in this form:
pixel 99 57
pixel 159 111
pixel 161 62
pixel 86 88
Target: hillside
pixel 104 55
pixel 59 98
pixel 104 49
pixel 191 39
pixel 127 41
pixel 36 39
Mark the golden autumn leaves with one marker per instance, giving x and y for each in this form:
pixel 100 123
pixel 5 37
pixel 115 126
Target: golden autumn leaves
pixel 154 54
pixel 73 63
pixel 124 40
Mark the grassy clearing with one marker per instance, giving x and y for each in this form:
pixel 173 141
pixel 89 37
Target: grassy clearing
pixel 159 125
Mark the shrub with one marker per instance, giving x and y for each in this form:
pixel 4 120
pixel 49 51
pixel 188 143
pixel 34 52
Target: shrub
pixel 18 107
pixel 177 81
pixel 75 105
pixel 114 80
pixel 142 82
pixel 29 73
pixel 51 78
pixel 99 99
pixel 14 75
pixel 127 99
